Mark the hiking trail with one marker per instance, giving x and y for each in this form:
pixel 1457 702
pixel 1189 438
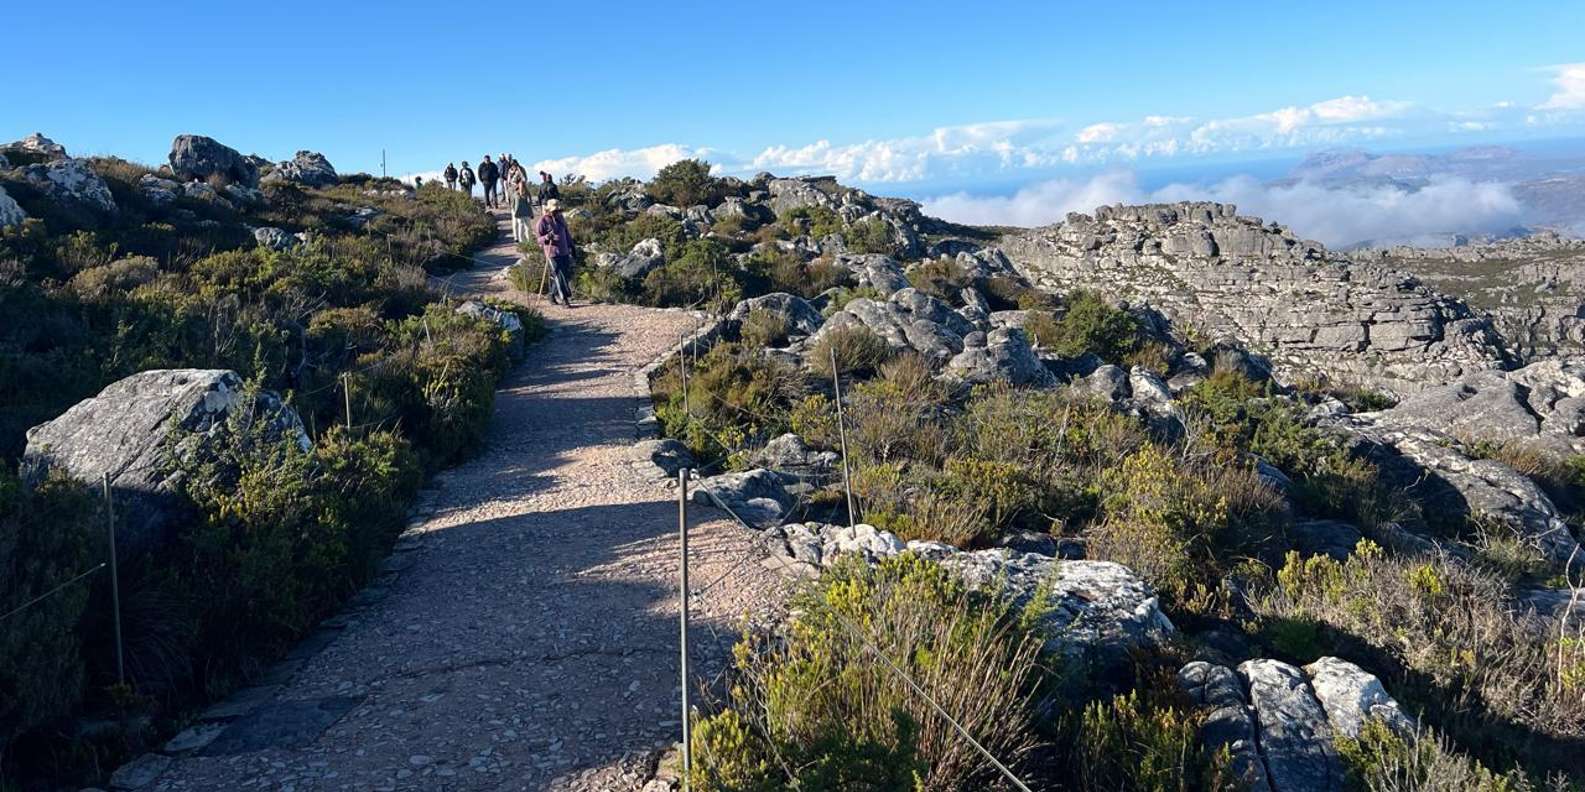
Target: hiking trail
pixel 524 634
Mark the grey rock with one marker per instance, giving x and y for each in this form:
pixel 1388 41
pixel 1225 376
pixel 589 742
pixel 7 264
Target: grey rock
pixel 803 319
pixel 1543 403
pixel 751 215
pixel 141 772
pixel 819 545
pixel 198 157
pixel 1147 386
pixel 308 168
pixel 37 144
pixel 1230 723
pixel 10 213
pixel 274 238
pixel 759 497
pixel 790 455
pixel 74 188
pixel 1005 356
pixel 123 432
pixel 787 195
pixel 1108 382
pixel 875 271
pixel 508 321
pixel 1295 736
pixel 1325 537
pixel 1352 696
pixel 646 255
pixel 158 191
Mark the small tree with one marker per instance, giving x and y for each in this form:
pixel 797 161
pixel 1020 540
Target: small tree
pixel 684 183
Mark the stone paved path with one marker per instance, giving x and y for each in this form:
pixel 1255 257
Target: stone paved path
pixel 529 639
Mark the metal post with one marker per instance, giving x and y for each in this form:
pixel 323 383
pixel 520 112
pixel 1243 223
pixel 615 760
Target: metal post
pixel 842 432
pixel 682 359
pixel 682 533
pixel 382 163
pixel 346 390
pixel 115 580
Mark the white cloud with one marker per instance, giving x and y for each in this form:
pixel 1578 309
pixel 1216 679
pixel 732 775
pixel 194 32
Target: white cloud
pixel 1569 80
pixel 1098 133
pixel 1334 216
pixel 612 163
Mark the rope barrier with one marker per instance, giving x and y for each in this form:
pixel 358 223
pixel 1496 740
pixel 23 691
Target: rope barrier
pixel 46 595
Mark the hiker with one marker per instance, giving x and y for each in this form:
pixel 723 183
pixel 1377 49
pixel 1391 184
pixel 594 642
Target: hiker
pixel 465 179
pixel 451 176
pixel 556 242
pixel 517 182
pixel 522 215
pixel 489 174
pixel 418 182
pixel 547 187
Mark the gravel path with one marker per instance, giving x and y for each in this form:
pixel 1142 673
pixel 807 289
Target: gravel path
pixel 525 636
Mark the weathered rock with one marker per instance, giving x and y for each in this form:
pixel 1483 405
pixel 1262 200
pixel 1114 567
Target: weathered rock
pixel 1147 386
pixel 158 191
pixel 670 455
pixel 140 772
pixel 1351 696
pixel 802 318
pixel 749 215
pixel 645 256
pixel 1543 404
pixel 308 168
pixel 819 545
pixel 759 497
pixel 1236 277
pixel 124 432
pixel 1325 537
pixel 10 213
pixel 875 271
pixel 508 321
pixel 1295 736
pixel 199 157
pixel 1230 723
pixel 75 190
pixel 1451 487
pixel 1005 356
pixel 37 144
pixel 1108 382
pixel 274 238
pixel 790 455
pixel 787 195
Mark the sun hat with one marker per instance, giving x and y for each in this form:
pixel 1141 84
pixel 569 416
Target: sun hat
pixel 552 205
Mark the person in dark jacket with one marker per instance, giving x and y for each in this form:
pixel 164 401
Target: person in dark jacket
pixel 547 187
pixel 465 179
pixel 451 176
pixel 556 243
pixel 489 174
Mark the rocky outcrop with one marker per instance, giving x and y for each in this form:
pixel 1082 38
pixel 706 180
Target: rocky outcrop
pixel 36 146
pixel 1003 354
pixel 1096 612
pixel 1542 404
pixel 1352 696
pixel 10 212
pixel 789 455
pixel 803 320
pixel 645 257
pixel 1292 728
pixel 308 168
pixel 74 190
pixel 758 497
pixel 137 428
pixel 1230 720
pixel 1203 265
pixel 198 157
pixel 1451 486
pixel 275 238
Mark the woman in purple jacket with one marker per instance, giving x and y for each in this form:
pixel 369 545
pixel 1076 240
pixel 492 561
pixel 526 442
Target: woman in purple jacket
pixel 556 242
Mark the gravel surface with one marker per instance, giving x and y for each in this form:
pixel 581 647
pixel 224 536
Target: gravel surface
pixel 526 634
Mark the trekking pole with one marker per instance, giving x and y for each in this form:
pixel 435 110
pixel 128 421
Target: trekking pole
pixel 842 432
pixel 544 274
pixel 682 534
pixel 115 581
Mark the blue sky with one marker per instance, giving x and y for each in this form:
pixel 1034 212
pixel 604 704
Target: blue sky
pixel 922 95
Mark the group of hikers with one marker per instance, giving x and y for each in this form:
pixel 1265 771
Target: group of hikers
pixel 506 186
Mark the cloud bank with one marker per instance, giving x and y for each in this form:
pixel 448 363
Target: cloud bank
pixel 1334 216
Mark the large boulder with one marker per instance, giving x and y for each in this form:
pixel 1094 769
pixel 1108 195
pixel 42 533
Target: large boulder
pixel 787 195
pixel 1353 696
pixel 75 190
pixel 1295 736
pixel 788 454
pixel 646 256
pixel 199 157
pixel 128 429
pixel 1542 403
pixel 802 318
pixel 758 497
pixel 308 168
pixel 811 547
pixel 273 238
pixel 36 146
pixel 1006 355
pixel 10 213
pixel 875 271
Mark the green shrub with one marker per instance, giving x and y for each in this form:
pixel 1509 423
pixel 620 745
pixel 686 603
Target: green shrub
pixel 869 236
pixel 1145 743
pixel 701 275
pixel 838 719
pixel 1006 293
pixel 857 350
pixel 685 183
pixel 1380 760
pixel 736 398
pixel 817 222
pixel 762 328
pixel 844 295
pixel 621 238
pixel 940 278
pixel 783 271
pixel 48 535
pixel 887 424
pixel 1092 325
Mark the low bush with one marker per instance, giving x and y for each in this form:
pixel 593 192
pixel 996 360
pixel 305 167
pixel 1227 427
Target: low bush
pixel 844 295
pixel 737 399
pixel 1381 760
pixel 819 711
pixel 856 350
pixel 1144 741
pixel 762 328
pixel 780 270
pixel 869 236
pixel 1090 324
pixel 940 278
pixel 48 535
pixel 685 183
pixel 699 276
